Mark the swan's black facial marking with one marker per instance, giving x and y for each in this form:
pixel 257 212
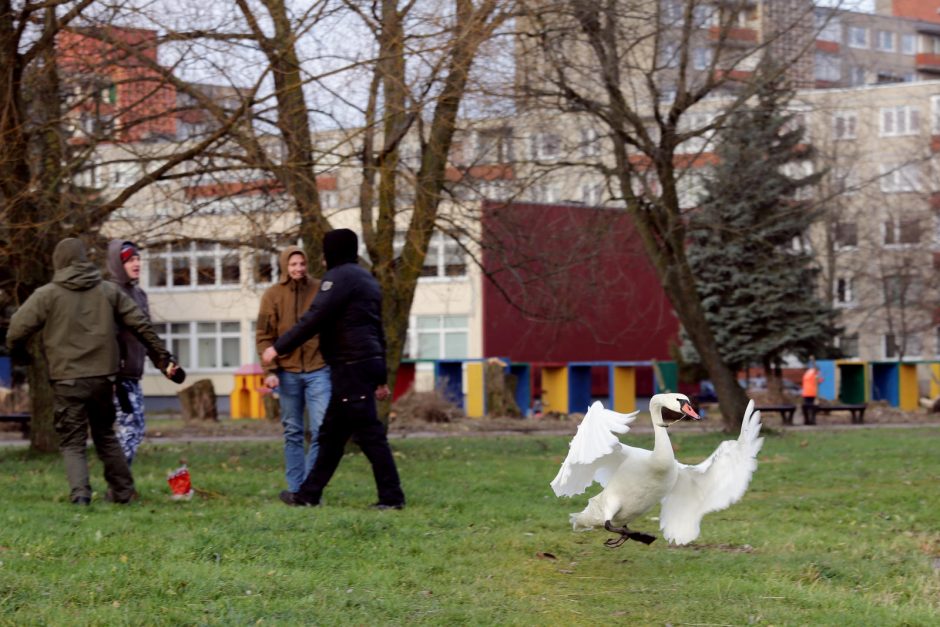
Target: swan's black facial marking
pixel 671 415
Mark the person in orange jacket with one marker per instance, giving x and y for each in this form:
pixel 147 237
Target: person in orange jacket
pixel 811 380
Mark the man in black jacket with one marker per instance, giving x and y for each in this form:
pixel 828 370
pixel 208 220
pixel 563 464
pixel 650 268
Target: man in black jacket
pixel 347 315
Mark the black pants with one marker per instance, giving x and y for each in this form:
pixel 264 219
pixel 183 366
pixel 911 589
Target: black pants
pixel 351 412
pixel 80 404
pixel 809 410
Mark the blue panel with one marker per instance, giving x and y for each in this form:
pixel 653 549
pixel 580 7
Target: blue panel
pixel 579 387
pixel 523 375
pixel 885 383
pixel 6 373
pixel 448 377
pixel 827 389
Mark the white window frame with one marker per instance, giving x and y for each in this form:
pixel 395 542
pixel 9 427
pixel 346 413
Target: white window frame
pixel 546 146
pixel 590 142
pixel 885 40
pixel 190 253
pixel 592 194
pixel 439 247
pixel 935 115
pixel 893 231
pixel 828 27
pixel 846 339
pixel 827 67
pixel 908 44
pixel 844 288
pixel 852 36
pixel 858 75
pixel 901 178
pixel 844 125
pixel 442 330
pixel 702 57
pixel 193 334
pixel 838 244
pixel 899 121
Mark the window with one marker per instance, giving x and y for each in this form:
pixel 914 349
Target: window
pixel 933 44
pixel 705 15
pixel 701 58
pixel 828 67
pixel 445 257
pixel 545 192
pixel 900 288
pixel 845 292
pixel 590 142
pixel 265 268
pixel 844 124
pixel 935 115
pixel 901 231
pixel 329 199
pixel 845 179
pixel 828 27
pixel 440 337
pixel 846 235
pixel 191 265
pixel 692 122
pixel 896 121
pixel 546 146
pixel 669 54
pixel 885 41
pixel 908 43
pixel 592 194
pixel 858 37
pixel 201 346
pixel 902 346
pixel 848 344
pixel 495 145
pixel 903 178
pixel 857 76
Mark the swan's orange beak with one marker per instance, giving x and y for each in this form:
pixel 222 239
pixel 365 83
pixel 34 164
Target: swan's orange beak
pixel 686 408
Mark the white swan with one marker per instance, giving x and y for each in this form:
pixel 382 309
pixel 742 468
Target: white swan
pixel 636 479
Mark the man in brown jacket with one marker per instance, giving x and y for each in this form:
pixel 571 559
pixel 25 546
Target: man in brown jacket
pixel 302 375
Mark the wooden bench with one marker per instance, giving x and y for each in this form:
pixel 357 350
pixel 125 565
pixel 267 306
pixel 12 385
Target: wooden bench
pixel 857 412
pixel 22 419
pixel 786 411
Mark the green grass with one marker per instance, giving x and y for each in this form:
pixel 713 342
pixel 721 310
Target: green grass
pixel 838 528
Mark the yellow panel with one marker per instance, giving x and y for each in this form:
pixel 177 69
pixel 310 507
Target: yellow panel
pixel 934 380
pixel 624 392
pixel 908 392
pixel 555 389
pixel 475 396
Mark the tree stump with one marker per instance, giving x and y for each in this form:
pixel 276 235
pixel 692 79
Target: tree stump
pixel 198 401
pixel 272 407
pixel 500 390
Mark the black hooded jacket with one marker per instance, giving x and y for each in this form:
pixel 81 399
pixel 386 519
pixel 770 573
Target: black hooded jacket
pixel 133 352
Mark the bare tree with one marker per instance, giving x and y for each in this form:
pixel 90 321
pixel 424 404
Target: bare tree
pixel 659 78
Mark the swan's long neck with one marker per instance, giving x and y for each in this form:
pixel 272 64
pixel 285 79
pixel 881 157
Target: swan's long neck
pixel 662 446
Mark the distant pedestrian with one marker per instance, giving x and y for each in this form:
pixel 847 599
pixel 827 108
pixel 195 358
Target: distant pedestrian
pixel 347 314
pixel 77 315
pixel 811 380
pixel 302 375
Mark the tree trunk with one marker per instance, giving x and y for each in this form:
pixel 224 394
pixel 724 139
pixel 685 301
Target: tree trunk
pixel 42 435
pixel 198 401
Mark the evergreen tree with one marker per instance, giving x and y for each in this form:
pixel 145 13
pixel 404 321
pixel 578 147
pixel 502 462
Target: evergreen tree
pixel 756 280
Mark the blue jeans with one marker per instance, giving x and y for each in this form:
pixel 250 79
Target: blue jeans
pixel 296 390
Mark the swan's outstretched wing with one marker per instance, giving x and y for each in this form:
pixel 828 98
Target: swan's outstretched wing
pixel 716 483
pixel 594 452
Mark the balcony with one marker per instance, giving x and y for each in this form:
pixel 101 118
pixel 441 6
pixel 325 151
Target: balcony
pixel 744 37
pixel 928 62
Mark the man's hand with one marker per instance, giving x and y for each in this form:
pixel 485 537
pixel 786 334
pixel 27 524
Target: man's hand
pixel 382 392
pixel 171 369
pixel 268 356
pixel 271 381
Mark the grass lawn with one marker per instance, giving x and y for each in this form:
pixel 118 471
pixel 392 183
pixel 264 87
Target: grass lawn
pixel 839 528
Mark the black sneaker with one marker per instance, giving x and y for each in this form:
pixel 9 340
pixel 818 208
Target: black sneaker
pixel 81 500
pixel 385 506
pixel 293 499
pixel 109 497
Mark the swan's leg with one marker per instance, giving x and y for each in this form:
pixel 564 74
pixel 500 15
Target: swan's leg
pixel 625 534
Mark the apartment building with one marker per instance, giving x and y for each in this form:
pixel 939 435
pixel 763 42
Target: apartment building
pixel 209 245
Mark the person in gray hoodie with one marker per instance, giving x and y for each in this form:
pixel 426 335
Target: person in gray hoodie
pixel 77 317
pixel 124 269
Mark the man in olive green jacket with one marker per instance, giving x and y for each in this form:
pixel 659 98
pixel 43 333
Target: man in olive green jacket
pixel 77 315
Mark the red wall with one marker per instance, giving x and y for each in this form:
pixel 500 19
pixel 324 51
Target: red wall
pixel 926 10
pixel 582 287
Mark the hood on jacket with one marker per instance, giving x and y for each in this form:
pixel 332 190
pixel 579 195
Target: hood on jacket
pixel 284 277
pixel 114 264
pixel 73 271
pixel 340 246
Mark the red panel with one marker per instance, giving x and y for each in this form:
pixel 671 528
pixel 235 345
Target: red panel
pixel 403 380
pixel 580 285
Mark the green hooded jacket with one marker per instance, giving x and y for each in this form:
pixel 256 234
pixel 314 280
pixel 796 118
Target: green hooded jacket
pixel 78 316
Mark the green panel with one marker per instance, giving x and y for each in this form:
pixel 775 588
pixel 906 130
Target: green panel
pixel 853 383
pixel 669 370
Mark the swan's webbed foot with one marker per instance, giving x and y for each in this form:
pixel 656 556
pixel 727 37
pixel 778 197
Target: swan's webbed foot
pixel 625 534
